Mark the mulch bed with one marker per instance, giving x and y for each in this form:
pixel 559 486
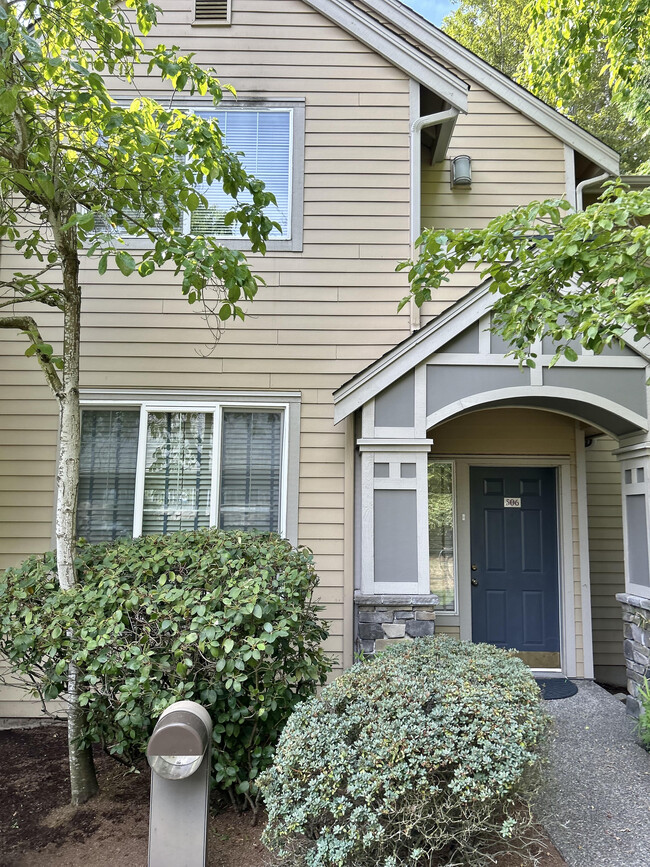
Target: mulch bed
pixel 38 827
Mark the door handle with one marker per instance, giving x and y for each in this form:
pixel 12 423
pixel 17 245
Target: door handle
pixel 474 582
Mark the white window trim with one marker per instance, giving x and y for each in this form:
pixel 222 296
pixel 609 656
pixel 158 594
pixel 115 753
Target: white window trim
pixel 290 408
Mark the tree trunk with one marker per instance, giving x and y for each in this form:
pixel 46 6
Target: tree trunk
pixel 83 781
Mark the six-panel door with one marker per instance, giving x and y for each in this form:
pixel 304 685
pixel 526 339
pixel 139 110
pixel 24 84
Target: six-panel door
pixel 514 540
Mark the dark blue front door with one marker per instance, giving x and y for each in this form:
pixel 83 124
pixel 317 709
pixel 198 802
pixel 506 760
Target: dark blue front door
pixel 515 595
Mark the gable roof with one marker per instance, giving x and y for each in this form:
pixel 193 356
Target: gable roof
pixel 422 344
pixel 418 48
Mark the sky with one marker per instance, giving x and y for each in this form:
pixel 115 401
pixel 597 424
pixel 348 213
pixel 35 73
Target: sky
pixel 434 10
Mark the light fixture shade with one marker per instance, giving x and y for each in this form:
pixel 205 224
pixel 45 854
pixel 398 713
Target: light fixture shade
pixel 461 171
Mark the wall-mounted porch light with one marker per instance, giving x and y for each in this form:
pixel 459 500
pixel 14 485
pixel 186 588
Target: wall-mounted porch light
pixel 461 171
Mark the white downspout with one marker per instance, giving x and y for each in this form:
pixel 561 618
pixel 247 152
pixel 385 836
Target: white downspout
pixel 588 182
pixel 417 126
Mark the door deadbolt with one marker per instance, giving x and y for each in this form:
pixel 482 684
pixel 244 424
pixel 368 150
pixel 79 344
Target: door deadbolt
pixel 474 567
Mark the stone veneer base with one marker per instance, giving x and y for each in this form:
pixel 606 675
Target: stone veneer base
pixel 383 619
pixel 636 645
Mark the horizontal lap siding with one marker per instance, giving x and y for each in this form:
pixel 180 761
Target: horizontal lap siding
pixel 324 315
pixel 513 162
pixel 607 564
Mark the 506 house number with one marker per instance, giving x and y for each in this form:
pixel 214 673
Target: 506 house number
pixel 512 502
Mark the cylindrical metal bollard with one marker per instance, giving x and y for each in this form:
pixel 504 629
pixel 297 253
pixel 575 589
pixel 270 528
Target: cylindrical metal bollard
pixel 179 755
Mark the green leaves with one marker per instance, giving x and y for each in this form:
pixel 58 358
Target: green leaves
pixel 125 262
pixel 100 175
pixel 225 619
pixel 558 274
pixel 424 747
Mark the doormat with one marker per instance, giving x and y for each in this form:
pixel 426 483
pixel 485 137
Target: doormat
pixel 556 687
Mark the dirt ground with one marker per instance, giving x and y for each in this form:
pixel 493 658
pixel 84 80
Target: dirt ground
pixel 38 828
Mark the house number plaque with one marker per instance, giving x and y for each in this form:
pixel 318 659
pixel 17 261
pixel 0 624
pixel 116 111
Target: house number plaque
pixel 512 502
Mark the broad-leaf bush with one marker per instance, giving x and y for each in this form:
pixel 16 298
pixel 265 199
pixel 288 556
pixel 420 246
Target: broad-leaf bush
pixel 222 618
pixel 421 756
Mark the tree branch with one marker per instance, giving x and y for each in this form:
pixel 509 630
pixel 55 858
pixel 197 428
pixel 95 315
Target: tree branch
pixel 30 329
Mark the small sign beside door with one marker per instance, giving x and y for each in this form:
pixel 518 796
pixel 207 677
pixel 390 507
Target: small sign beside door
pixel 512 502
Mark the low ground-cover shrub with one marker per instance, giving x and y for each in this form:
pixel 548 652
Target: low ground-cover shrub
pixel 225 619
pixel 421 756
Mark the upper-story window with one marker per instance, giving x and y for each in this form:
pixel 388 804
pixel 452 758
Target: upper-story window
pixel 269 136
pixel 265 138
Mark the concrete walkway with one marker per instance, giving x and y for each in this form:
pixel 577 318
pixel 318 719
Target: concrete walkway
pixel 596 802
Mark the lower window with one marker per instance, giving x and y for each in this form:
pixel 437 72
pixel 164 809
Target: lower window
pixel 442 570
pixel 157 470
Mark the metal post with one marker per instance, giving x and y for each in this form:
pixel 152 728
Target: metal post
pixel 180 756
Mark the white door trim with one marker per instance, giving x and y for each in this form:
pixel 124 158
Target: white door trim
pixel 568 658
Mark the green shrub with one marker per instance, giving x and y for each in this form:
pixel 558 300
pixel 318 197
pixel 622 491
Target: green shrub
pixel 225 619
pixel 421 756
pixel 644 718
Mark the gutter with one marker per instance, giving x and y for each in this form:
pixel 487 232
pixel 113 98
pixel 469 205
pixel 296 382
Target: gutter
pixel 449 116
pixel 588 182
pixel 417 126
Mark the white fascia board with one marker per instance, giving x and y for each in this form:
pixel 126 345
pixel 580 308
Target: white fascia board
pixel 424 343
pixel 414 63
pixel 412 351
pixel 498 84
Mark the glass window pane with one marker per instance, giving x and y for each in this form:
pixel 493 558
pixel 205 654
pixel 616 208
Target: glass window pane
pixel 251 451
pixel 178 472
pixel 264 137
pixel 441 534
pixel 109 450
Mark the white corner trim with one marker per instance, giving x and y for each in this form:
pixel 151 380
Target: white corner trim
pixel 570 176
pixel 583 537
pixel 567 592
pixel 429 72
pixel 497 83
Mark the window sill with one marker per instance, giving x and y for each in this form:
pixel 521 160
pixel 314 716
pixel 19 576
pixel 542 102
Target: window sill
pixel 275 245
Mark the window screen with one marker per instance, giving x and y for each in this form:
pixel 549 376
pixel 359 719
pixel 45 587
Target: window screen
pixel 265 139
pixel 109 449
pixel 251 449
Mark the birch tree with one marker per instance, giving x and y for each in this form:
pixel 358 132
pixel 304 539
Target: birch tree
pixel 79 174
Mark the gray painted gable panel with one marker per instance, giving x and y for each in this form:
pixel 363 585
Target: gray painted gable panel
pixel 446 385
pixel 395 407
pixel 467 341
pixel 625 386
pixel 498 346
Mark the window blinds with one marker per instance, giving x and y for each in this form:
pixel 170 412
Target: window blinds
pixel 178 472
pixel 265 139
pixel 251 450
pixel 109 449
